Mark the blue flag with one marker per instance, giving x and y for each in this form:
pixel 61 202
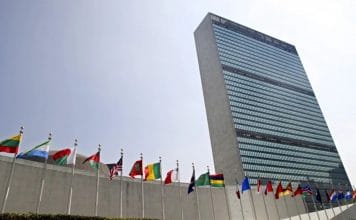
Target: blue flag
pixel 340 195
pixel 40 150
pixel 318 196
pixel 245 185
pixel 348 195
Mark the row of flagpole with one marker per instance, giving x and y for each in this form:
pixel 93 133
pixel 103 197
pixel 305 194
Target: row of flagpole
pixel 43 177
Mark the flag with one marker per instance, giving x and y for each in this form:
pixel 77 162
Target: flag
pixel 279 190
pixel 192 183
pixel 348 195
pixel 238 190
pixel 153 171
pixel 65 156
pixel 318 196
pixel 298 191
pixel 354 195
pixel 327 196
pixel 136 169
pixel 269 187
pixel 245 185
pixel 259 186
pixel 288 190
pixel 172 176
pixel 203 180
pixel 11 145
pixel 40 150
pixel 340 195
pixel 115 168
pixel 94 160
pixel 217 180
pixel 333 196
pixel 307 191
pixel 238 193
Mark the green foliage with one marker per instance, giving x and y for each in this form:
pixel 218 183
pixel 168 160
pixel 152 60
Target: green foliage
pixel 31 216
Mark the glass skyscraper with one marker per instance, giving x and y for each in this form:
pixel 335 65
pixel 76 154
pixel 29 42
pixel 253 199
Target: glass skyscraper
pixel 264 119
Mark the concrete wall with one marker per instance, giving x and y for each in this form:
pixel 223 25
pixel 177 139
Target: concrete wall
pixel 26 183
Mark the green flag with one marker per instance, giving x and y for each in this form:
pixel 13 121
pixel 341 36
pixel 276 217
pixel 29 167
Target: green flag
pixel 203 180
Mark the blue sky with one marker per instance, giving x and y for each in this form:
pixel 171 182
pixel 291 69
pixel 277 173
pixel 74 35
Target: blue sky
pixel 125 74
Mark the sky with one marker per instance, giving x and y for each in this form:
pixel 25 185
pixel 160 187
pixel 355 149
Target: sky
pixel 125 74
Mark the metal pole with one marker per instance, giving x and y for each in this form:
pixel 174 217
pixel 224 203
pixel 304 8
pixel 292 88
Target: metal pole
pixel 9 180
pixel 71 181
pixel 142 194
pixel 180 193
pixel 97 184
pixel 275 203
pixel 162 190
pixel 44 169
pixel 122 156
pixel 252 203
pixel 296 207
pixel 196 195
pixel 227 201
pixel 211 194
pixel 287 210
pixel 306 207
pixel 264 202
pixel 242 211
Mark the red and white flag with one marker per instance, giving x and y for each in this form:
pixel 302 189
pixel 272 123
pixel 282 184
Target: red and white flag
pixel 172 176
pixel 259 186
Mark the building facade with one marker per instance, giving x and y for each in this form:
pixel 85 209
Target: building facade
pixel 264 119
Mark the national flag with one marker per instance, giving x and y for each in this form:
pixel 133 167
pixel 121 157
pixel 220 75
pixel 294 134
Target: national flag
pixel 354 195
pixel 318 196
pixel 65 156
pixel 307 191
pixel 298 191
pixel 217 180
pixel 238 190
pixel 136 169
pixel 238 194
pixel 203 180
pixel 288 190
pixel 327 196
pixel 348 195
pixel 94 160
pixel 340 195
pixel 172 176
pixel 259 186
pixel 191 186
pixel 333 195
pixel 153 171
pixel 269 187
pixel 115 168
pixel 245 185
pixel 40 151
pixel 11 145
pixel 279 190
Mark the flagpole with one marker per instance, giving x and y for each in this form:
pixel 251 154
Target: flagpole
pixel 242 211
pixel 275 204
pixel 9 180
pixel 322 204
pixel 162 190
pixel 211 194
pixel 97 184
pixel 331 206
pixel 142 194
pixel 264 201
pixel 227 201
pixel 180 193
pixel 295 203
pixel 122 167
pixel 285 203
pixel 337 200
pixel 71 181
pixel 252 203
pixel 315 207
pixel 44 169
pixel 306 207
pixel 196 195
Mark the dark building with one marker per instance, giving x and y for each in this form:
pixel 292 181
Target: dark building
pixel 264 119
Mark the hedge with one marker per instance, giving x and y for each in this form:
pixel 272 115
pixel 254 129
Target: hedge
pixel 31 216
